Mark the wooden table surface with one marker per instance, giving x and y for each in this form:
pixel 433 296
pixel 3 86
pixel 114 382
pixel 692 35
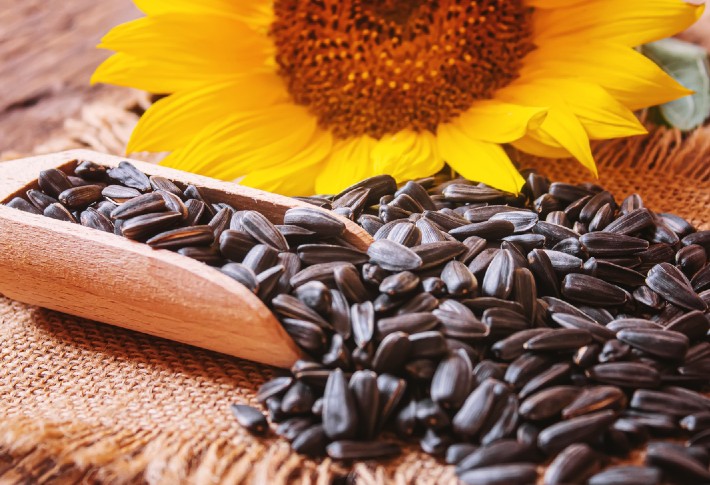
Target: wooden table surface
pixel 47 55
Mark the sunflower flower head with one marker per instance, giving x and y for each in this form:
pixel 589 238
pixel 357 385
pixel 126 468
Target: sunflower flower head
pixel 311 96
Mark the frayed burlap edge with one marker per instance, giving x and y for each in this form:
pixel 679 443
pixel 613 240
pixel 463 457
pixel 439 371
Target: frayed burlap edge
pixel 47 451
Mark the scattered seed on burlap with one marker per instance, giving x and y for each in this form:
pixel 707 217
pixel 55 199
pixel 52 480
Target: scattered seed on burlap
pixel 499 331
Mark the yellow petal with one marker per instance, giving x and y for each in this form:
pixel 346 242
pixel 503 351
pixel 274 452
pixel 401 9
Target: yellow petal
pixel 601 115
pixel 530 145
pixel 258 12
pixel 209 43
pixel 407 155
pixel 629 76
pixel 478 160
pixel 561 127
pixel 350 161
pixel 149 75
pixel 552 3
pixel 499 122
pixel 298 176
pixel 247 141
pixel 630 22
pixel 170 122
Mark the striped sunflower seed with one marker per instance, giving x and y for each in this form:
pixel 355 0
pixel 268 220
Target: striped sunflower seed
pixel 316 220
pixel 21 204
pixel 627 475
pixel 263 230
pixel 632 222
pixel 78 197
pixel 669 282
pixel 625 374
pixel 363 386
pixel 146 225
pixel 41 200
pixel 491 230
pixel 501 474
pixel 547 403
pixel 458 279
pixel 347 279
pixel 96 220
pixel 498 280
pixel 582 429
pixel 393 256
pixel 665 344
pixel 593 399
pixel 53 182
pixel 127 174
pixel 575 463
pixel 592 291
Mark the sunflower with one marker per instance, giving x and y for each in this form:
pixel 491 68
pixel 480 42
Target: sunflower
pixel 304 96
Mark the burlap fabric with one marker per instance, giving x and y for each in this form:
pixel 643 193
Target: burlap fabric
pixel 82 402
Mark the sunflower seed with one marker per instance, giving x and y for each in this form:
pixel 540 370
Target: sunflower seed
pixel 263 230
pixel 95 220
pixel 612 244
pixel 470 193
pixel 378 186
pixel 593 399
pixel 361 450
pixel 53 182
pixel 146 225
pixel 598 332
pixel 491 230
pixel 362 318
pixel 315 220
pixel 408 323
pixel 547 403
pixel 307 335
pixel 363 386
pixel 392 353
pixel 690 259
pixel 405 233
pixel 701 280
pixel 665 344
pixel 501 474
pixel 39 200
pixel 259 258
pixel 677 462
pixel 127 174
pixel 504 451
pixel 393 256
pixel 311 442
pixel 21 204
pixel 78 197
pixel 582 429
pixel 458 279
pixel 693 325
pixel 701 238
pixel 457 452
pixel 477 407
pixel 625 374
pixel 250 418
pixel 627 475
pixel 436 253
pixel 575 463
pixel 669 282
pixel 592 291
pixel 561 340
pixel 391 391
pixel 545 277
pixel 452 381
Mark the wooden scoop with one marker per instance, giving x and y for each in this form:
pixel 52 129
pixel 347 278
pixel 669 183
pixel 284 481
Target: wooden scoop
pixel 93 274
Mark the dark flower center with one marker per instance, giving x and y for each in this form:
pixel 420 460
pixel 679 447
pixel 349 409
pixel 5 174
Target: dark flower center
pixel 379 66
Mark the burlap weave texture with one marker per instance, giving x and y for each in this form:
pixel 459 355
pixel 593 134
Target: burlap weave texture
pixel 82 402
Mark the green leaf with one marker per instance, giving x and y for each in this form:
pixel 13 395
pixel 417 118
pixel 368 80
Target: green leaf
pixel 688 64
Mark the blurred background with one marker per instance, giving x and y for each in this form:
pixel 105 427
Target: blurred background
pixel 47 55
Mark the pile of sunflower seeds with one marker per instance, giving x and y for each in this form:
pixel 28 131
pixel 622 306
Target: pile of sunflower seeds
pixel 501 332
